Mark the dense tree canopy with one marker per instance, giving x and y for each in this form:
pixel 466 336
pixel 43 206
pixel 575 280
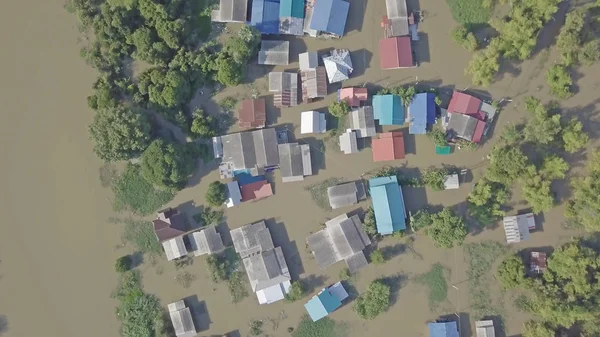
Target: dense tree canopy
pixel 486 200
pixel 167 165
pixel 574 137
pixel 203 125
pixel 559 80
pixel 216 194
pixel 511 272
pixel 166 88
pixel 464 38
pixel 507 164
pixel 543 128
pixel 339 109
pixel 537 329
pixel 447 229
pixel 374 301
pixel 419 220
pixel 583 209
pixel 119 133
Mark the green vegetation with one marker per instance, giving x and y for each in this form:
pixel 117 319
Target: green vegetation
pixel 325 327
pixel 438 137
pixel 136 194
pixel 123 264
pixel 339 109
pixel 216 194
pixel 374 301
pixel 486 200
pixel 297 291
pixel 256 328
pixel 185 279
pixel 465 144
pixel 574 137
pixel 544 127
pixel 447 229
pixel 576 40
pixel 377 257
pixel 119 133
pixel 484 66
pixel 435 178
pixel 584 206
pixel 481 257
pixel 217 268
pixel 406 93
pixel 511 272
pixel 435 280
pixel 470 12
pixel 369 224
pixel 237 286
pixel 419 220
pixel 228 103
pixel 167 165
pixel 537 329
pixel 318 192
pixel 141 235
pixel 203 125
pixel 345 274
pixel 464 38
pixel 209 217
pixel 224 268
pixel 141 314
pixel 560 81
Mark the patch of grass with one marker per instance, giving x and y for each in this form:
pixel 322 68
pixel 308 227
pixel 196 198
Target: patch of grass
pixel 185 279
pixel 225 267
pixel 141 235
pixel 470 13
pixel 237 286
pixel 481 257
pixel 256 328
pixel 136 194
pixel 228 103
pixel 108 174
pixel 325 327
pixel 209 216
pixel 435 280
pixel 318 191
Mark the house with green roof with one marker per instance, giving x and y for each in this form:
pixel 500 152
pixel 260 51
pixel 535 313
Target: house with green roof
pixel 388 204
pixel 388 109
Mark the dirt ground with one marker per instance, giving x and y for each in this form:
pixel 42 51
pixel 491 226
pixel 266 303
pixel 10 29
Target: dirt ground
pixel 57 248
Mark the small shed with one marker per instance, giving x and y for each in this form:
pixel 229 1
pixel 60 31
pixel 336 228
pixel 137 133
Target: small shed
pixel 274 53
pixel 363 121
pixel 181 318
pixel 174 248
pixel 348 142
pixel 517 227
pixel 395 53
pixel 443 329
pixel 312 122
pixel 485 328
pixel 346 194
pixel 388 110
pixel 389 146
pixel 326 301
pixel 206 241
pixel 353 96
pixel 451 182
pixel 538 262
pixel 308 60
pixel 234 196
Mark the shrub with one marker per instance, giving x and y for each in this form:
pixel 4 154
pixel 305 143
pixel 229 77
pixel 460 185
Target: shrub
pixel 464 38
pixel 447 229
pixel 398 235
pixel 369 224
pixel 209 216
pixel 133 192
pixel 560 81
pixel 237 286
pixel 203 125
pixel 374 301
pixel 435 280
pixel 574 137
pixel 216 194
pixel 438 137
pixel 339 109
pixel 377 257
pixel 511 272
pixel 256 328
pixel 435 178
pixel 217 267
pixel 297 291
pixel 228 103
pixel 123 264
pixel 345 274
pixel 420 220
pixel 167 165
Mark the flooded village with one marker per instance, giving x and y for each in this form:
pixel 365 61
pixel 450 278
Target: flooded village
pixel 299 186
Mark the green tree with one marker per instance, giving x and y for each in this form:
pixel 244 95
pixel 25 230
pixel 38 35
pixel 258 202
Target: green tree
pixel 438 137
pixel 536 190
pixel 537 329
pixel 119 133
pixel 584 206
pixel 203 125
pixel 486 200
pixel 419 220
pixel 167 165
pixel 447 229
pixel 377 257
pixel 574 137
pixel 464 38
pixel 217 268
pixel 297 291
pixel 511 136
pixel 229 72
pixel 369 224
pixel 216 194
pixel 554 167
pixel 543 128
pixel 511 272
pixel 123 264
pixel 435 178
pixel 507 164
pixel 339 109
pixel 570 39
pixel 589 53
pixel 374 301
pixel 148 47
pixel 166 88
pixel 560 81
pixel 483 67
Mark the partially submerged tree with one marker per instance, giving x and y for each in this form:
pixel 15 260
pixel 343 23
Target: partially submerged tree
pixel 584 206
pixel 511 272
pixel 537 329
pixel 419 220
pixel 543 128
pixel 216 194
pixel 339 109
pixel 374 301
pixel 486 200
pixel 464 38
pixel 438 137
pixel 447 229
pixel 377 257
pixel 574 137
pixel 483 67
pixel 167 165
pixel 559 80
pixel 297 291
pixel 435 178
pixel 203 125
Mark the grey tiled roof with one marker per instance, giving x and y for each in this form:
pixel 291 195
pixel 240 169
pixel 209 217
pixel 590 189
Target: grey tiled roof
pixel 345 194
pixel 266 269
pixel 230 11
pixel 250 149
pixel 294 161
pixel 462 126
pixel 252 239
pixel 363 121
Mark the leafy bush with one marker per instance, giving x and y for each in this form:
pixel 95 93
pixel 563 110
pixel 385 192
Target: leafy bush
pixel 447 229
pixel 141 234
pixel 209 216
pixel 339 109
pixel 374 301
pixel 560 81
pixel 216 194
pixel 228 103
pixel 203 125
pixel 256 328
pixel 438 137
pixel 369 224
pixel 537 329
pixel 325 327
pixel 483 67
pixel 345 274
pixel 123 264
pixel 167 165
pixel 584 206
pixel 464 38
pixel 486 200
pixel 435 178
pixel 237 286
pixel 297 291
pixel 470 12
pixel 574 137
pixel 420 220
pixel 217 268
pixel 377 257
pixel 133 192
pixel 511 272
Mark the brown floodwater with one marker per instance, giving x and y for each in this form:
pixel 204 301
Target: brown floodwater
pixel 57 248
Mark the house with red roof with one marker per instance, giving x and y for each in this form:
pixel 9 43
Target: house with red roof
pixel 466 104
pixel 395 52
pixel 256 190
pixel 353 96
pixel 253 113
pixel 389 146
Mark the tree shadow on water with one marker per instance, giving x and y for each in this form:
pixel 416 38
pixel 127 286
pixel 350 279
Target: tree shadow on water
pixel 3 324
pixel 395 282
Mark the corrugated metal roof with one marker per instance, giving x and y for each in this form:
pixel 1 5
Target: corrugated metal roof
pixel 353 95
pixel 462 126
pixel 389 146
pixel 206 241
pixel 338 65
pixel 253 113
pixel 312 122
pixel 362 120
pixel 330 16
pixel 322 305
pixel 346 194
pixel 451 182
pixel 464 104
pixel 265 16
pixel 256 190
pixel 485 328
pixel 443 329
pixel 308 60
pixel 314 83
pixel 174 248
pixel 274 52
pixel 517 227
pixel 234 196
pixel 266 269
pixel 421 112
pixel 395 52
pixel 397 15
pixel 181 318
pixel 251 239
pixel 291 8
pixel 294 161
pixel 388 109
pixel 251 149
pixel 285 87
pixel 348 142
pixel 388 204
pixel 231 11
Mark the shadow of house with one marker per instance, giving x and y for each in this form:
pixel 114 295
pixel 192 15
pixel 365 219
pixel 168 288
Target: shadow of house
pixel 410 141
pixel 499 328
pixel 395 282
pixel 356 16
pixel 202 169
pixel 464 325
pixel 281 239
pixel 390 252
pixel 317 153
pixel 314 283
pixel 199 312
pixel 361 61
pixel 189 209
pixel 421 49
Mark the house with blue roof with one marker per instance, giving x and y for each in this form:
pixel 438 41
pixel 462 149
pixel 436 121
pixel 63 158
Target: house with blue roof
pixel 388 109
pixel 326 302
pixel 388 204
pixel 421 111
pixel 265 16
pixel 291 17
pixel 330 16
pixel 443 329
